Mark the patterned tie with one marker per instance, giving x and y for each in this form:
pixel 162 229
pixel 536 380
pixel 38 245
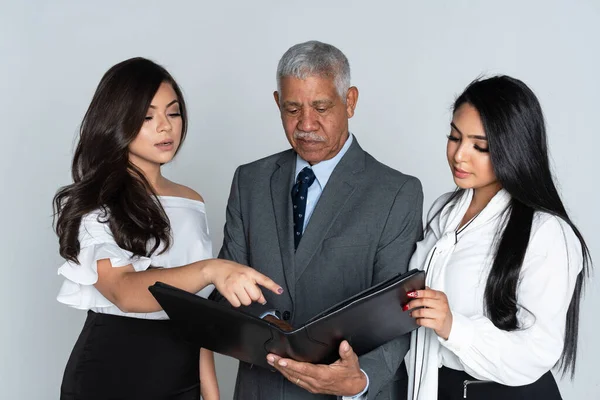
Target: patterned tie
pixel 305 178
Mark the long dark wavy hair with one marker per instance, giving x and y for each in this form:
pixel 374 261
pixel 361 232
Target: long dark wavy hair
pixel 103 176
pixel 514 125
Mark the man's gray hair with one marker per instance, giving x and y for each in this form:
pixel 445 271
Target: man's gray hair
pixel 315 58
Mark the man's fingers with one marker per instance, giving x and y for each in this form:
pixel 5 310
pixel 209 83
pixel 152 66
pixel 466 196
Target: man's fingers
pixel 272 358
pixel 299 369
pixel 306 382
pixel 288 374
pixel 282 371
pixel 346 351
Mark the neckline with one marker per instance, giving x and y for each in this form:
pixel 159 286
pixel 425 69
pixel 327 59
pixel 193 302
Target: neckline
pixel 491 211
pixel 182 199
pixel 459 228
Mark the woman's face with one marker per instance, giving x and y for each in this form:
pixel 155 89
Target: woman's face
pixel 468 152
pixel 160 135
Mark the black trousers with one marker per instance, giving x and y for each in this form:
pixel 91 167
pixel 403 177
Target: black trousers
pixel 458 385
pixel 129 358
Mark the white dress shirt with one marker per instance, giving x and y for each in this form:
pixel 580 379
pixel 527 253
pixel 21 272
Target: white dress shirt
pixel 191 242
pixel 322 171
pixel 459 263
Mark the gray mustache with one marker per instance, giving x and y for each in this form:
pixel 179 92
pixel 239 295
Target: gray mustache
pixel 309 136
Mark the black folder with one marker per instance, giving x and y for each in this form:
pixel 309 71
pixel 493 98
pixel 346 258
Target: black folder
pixel 367 320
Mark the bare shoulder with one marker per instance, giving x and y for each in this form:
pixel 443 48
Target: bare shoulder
pixel 185 192
pixel 190 193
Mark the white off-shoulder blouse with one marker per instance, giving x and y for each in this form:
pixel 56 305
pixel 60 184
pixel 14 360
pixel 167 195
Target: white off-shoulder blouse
pixel 191 242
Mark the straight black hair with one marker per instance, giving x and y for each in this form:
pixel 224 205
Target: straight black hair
pixel 514 126
pixel 103 176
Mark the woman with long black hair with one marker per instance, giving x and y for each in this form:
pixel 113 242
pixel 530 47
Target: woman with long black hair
pixel 122 226
pixel 505 264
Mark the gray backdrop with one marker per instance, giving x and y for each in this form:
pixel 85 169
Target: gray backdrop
pixel 409 59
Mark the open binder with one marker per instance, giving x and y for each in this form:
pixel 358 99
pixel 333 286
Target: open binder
pixel 367 320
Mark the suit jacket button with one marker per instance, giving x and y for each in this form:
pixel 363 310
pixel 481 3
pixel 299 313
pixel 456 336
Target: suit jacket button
pixel 286 315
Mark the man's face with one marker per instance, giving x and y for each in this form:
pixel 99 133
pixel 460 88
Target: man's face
pixel 314 116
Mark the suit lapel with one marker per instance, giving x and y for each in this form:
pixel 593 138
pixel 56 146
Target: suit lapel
pixel 339 190
pixel 281 187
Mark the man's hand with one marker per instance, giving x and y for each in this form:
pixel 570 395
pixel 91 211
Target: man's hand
pixel 342 378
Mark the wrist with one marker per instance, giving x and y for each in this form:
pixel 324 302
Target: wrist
pixel 362 383
pixel 447 327
pixel 360 387
pixel 359 384
pixel 206 271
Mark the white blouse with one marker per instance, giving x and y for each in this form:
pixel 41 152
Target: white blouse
pixel 190 243
pixel 459 264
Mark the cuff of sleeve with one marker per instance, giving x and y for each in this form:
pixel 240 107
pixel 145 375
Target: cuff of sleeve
pixel 362 395
pixel 269 312
pixel 461 334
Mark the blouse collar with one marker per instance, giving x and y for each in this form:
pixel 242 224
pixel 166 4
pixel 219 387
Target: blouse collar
pixel 453 213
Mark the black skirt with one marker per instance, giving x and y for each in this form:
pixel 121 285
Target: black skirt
pixel 458 385
pixel 129 358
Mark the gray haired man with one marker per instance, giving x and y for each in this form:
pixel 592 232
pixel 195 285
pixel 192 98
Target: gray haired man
pixel 326 220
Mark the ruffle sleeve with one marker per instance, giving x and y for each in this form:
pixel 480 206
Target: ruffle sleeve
pixel 97 243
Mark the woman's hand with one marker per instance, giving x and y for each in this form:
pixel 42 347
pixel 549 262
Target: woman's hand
pixel 239 284
pixel 435 313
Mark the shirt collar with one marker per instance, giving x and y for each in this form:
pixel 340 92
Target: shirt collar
pixel 452 214
pixel 324 169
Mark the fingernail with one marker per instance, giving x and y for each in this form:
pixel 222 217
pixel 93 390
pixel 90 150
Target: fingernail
pixel 280 290
pixel 346 347
pixel 405 307
pixel 282 363
pixel 412 294
pixel 263 303
pixel 270 359
pixel 410 314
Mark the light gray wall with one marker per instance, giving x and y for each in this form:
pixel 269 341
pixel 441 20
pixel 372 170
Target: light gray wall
pixel 409 59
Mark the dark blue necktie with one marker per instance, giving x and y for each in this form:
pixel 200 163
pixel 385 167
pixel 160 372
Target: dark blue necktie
pixel 305 178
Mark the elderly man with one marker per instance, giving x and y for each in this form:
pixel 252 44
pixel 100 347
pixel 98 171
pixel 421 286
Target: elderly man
pixel 326 220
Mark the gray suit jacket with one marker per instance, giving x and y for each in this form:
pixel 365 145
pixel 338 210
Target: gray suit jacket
pixel 362 231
